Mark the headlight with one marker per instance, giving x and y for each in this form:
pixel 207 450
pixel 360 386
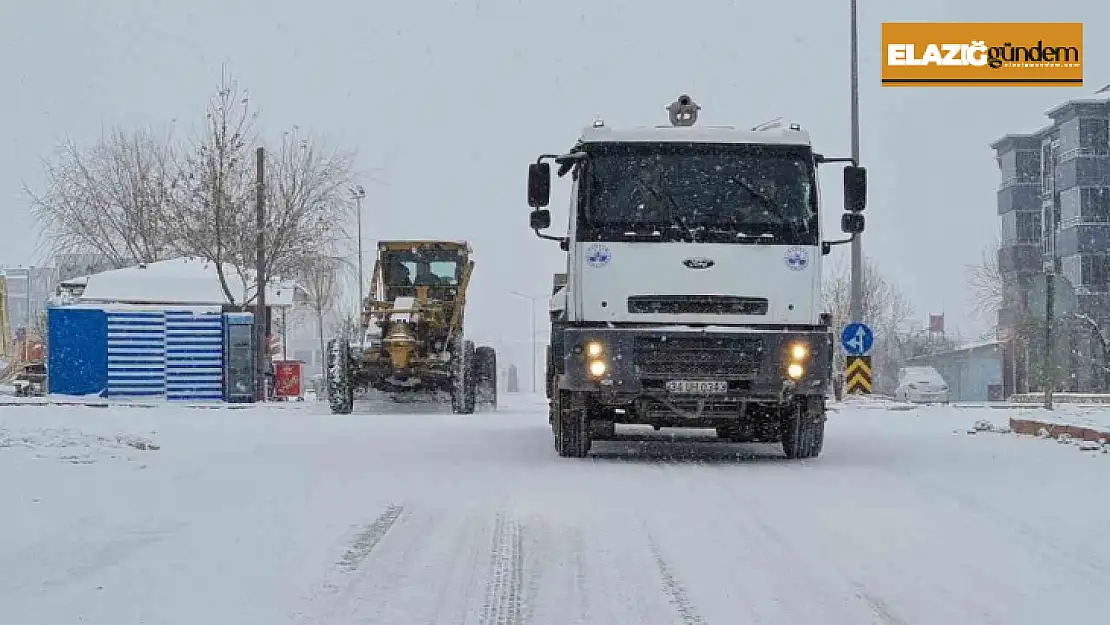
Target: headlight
pixel 597 368
pixel 593 349
pixel 798 351
pixel 795 371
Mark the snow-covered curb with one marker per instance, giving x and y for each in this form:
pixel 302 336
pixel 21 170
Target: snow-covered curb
pixel 1062 398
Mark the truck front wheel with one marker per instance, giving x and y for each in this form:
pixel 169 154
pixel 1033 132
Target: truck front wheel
pixel 803 427
pixel 341 392
pixel 572 428
pixel 465 383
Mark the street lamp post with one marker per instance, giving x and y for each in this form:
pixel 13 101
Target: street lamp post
pixel 534 344
pixel 358 193
pixel 856 304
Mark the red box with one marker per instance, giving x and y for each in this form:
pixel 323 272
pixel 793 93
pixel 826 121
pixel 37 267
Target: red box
pixel 288 379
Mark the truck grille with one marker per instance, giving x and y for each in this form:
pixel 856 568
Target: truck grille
pixel 697 356
pixel 697 305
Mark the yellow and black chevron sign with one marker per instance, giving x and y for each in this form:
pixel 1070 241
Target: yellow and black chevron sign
pixel 859 375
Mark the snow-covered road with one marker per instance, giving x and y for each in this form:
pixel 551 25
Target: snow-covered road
pixel 121 516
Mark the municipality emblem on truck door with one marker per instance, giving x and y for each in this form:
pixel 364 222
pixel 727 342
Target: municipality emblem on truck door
pixel 796 258
pixel 598 255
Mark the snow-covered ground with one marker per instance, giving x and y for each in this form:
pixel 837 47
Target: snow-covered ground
pixel 290 515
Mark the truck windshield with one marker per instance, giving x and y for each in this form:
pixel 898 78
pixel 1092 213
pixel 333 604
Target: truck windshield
pixel 699 192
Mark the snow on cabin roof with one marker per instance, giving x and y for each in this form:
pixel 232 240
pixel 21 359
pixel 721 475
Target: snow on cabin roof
pixel 178 281
pixel 695 134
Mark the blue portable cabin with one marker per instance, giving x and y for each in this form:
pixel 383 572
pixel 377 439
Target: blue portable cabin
pixel 136 351
pixel 152 330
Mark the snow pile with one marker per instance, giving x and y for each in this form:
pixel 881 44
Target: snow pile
pixel 984 425
pixel 1080 443
pixel 73 445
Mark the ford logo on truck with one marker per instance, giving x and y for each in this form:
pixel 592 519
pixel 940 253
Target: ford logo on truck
pixel 698 263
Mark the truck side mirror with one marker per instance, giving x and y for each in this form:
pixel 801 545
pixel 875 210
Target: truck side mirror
pixel 855 188
pixel 539 185
pixel 540 219
pixel 852 223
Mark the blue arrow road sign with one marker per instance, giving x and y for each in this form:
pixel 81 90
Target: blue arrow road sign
pixel 857 339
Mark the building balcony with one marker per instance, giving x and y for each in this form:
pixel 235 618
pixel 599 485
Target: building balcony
pixel 1083 238
pixel 1084 170
pixel 1022 197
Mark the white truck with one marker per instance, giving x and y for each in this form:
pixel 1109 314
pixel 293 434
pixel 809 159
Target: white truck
pixel 692 291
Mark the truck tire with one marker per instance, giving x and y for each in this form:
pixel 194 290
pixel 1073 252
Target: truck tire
pixel 464 388
pixel 572 428
pixel 803 428
pixel 485 366
pixel 549 375
pixel 341 393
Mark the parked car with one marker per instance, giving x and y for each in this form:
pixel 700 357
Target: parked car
pixel 921 385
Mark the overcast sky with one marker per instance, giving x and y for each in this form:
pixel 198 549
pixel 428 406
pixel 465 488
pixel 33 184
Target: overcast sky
pixel 450 103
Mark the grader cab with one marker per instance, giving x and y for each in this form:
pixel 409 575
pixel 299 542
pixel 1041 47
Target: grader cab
pixel 410 340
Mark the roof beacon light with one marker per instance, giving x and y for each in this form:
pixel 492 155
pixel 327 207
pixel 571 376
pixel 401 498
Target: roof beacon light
pixel 683 111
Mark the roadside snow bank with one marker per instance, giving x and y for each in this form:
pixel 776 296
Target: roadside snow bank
pixel 77 446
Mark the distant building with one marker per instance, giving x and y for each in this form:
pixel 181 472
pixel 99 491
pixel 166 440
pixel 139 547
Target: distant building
pixel 28 289
pixel 1054 207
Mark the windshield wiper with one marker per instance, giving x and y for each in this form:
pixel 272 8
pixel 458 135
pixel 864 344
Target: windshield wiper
pixel 673 213
pixel 799 226
pixel 767 202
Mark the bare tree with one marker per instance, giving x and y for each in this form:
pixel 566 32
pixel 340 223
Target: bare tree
pixel 319 277
pixel 990 291
pixel 110 199
pixel 212 217
pixel 307 209
pixel 885 308
pixel 883 304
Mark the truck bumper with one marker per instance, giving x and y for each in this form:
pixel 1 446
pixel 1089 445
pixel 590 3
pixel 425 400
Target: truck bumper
pixel 741 365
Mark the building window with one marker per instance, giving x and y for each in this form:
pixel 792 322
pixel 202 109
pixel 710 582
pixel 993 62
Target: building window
pixel 1096 272
pixel 1048 167
pixel 1021 227
pixel 1028 227
pixel 1028 166
pixel 1048 228
pixel 1094 204
pixel 1072 268
pixel 1094 136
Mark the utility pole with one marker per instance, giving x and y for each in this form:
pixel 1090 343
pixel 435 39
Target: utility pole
pixel 856 305
pixel 27 322
pixel 261 318
pixel 358 193
pixel 535 346
pixel 1049 305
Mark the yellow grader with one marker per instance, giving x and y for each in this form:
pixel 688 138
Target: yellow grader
pixel 410 341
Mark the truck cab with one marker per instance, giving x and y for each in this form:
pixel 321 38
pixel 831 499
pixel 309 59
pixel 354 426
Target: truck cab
pixel 691 295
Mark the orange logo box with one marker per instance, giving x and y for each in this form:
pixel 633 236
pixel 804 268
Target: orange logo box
pixel 1003 54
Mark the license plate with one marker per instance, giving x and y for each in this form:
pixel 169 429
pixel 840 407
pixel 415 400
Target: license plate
pixel 697 387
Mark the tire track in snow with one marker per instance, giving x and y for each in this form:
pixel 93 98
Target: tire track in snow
pixel 365 542
pixel 674 588
pixel 504 603
pixel 880 608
